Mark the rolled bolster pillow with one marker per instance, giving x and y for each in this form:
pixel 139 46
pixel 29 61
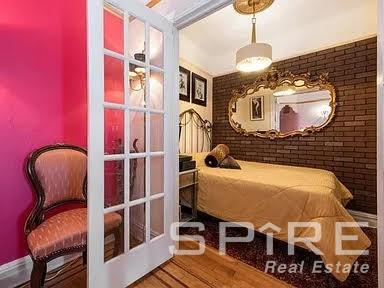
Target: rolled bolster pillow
pixel 218 154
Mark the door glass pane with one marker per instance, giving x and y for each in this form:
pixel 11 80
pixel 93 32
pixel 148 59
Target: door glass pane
pixel 136 225
pixel 157 47
pixel 137 178
pixel 114 235
pixel 113 80
pixel 136 85
pixel 157 132
pixel 136 39
pixel 113 183
pixel 157 90
pixel 113 131
pixel 157 175
pixel 157 217
pixel 137 130
pixel 113 29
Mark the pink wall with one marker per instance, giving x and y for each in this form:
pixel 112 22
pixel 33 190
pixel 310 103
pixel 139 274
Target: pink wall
pixel 42 98
pixel 74 69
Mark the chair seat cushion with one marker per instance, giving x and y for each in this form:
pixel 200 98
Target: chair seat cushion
pixel 65 230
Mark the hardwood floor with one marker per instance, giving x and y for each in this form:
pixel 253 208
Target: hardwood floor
pixel 208 270
pixel 203 271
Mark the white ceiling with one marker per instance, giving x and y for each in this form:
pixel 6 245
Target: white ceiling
pixel 292 27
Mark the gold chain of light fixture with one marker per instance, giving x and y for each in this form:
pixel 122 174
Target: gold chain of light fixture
pixel 253 40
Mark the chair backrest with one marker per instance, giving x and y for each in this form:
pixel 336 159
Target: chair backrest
pixel 58 174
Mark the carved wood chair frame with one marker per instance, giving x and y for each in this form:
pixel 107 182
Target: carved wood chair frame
pixel 37 214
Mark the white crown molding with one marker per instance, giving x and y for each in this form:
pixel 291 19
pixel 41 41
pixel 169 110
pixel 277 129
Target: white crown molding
pixel 364 217
pixel 380 142
pixel 201 10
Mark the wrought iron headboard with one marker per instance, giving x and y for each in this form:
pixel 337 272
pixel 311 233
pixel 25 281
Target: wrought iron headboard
pixel 194 132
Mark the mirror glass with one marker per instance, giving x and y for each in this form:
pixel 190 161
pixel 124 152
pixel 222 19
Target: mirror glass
pixel 290 108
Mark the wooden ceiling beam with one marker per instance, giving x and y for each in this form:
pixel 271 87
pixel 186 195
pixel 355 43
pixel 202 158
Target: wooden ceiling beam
pixel 152 3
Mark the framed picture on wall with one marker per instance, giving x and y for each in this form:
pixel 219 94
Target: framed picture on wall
pixel 199 90
pixel 184 84
pixel 256 105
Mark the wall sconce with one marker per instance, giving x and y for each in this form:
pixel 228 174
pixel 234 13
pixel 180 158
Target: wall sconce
pixel 137 72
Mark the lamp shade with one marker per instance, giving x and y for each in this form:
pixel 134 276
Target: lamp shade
pixel 254 57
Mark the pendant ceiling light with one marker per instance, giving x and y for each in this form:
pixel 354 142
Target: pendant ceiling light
pixel 255 56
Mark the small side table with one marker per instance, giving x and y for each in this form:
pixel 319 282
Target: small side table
pixel 188 209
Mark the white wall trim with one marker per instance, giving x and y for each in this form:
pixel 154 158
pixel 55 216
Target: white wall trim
pixel 175 187
pixel 364 217
pixel 200 11
pixel 18 271
pixel 380 141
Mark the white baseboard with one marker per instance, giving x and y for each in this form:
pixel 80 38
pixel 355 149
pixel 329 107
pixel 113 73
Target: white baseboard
pixel 364 217
pixel 18 271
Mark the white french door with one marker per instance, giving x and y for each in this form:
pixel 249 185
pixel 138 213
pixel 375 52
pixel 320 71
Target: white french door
pixel 131 141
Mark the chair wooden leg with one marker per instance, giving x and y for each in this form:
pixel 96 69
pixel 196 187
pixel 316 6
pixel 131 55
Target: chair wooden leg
pixel 44 274
pixel 85 257
pixel 118 242
pixel 38 273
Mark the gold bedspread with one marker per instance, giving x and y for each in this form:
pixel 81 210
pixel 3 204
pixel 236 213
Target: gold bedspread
pixel 262 193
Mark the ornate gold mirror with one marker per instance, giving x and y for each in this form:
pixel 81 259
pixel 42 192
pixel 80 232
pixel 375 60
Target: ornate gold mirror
pixel 279 105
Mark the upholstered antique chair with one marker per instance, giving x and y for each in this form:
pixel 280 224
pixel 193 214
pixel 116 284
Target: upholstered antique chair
pixel 58 176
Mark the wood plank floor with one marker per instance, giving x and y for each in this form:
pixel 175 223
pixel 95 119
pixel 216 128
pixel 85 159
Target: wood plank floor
pixel 203 271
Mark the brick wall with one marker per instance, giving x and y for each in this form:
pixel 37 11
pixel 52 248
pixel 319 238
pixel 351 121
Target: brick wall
pixel 346 147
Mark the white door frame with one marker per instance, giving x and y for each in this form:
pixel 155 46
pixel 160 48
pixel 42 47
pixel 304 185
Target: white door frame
pixel 195 14
pixel 212 6
pixel 176 199
pixel 380 142
pixel 124 269
pixel 188 18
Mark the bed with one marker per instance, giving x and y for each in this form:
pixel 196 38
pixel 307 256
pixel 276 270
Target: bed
pixel 263 193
